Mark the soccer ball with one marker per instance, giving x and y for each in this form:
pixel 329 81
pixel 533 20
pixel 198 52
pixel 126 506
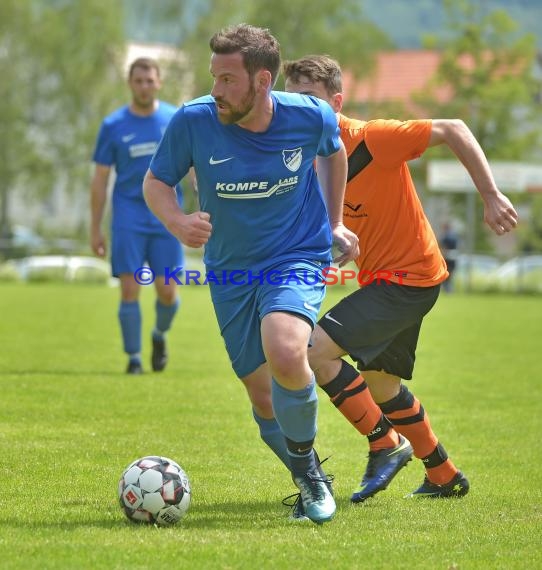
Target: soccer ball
pixel 154 490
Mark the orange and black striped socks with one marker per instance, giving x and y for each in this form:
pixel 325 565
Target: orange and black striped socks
pixel 350 395
pixel 408 417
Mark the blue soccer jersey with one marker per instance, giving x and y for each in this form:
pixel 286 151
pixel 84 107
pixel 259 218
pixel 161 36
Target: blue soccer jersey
pixel 260 189
pixel 127 142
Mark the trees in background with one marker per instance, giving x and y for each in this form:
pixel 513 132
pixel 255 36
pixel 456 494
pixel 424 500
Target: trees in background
pixel 488 67
pixel 60 63
pixel 336 27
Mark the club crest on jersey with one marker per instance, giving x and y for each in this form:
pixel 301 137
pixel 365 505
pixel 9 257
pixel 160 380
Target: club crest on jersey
pixel 292 158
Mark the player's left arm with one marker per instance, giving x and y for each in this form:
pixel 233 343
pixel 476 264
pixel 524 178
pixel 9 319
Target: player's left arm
pixel 499 213
pixel 332 172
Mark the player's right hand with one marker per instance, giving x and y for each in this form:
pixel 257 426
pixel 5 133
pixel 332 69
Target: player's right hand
pixel 193 229
pixel 499 214
pixel 345 245
pixel 97 243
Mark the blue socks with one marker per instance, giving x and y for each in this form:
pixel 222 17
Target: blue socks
pixel 164 317
pixel 296 413
pixel 273 437
pixel 130 324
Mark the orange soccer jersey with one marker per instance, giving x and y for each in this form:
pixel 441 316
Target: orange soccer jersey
pixel 381 204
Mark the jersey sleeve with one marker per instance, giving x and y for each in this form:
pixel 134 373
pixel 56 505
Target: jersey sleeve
pixel 392 142
pixel 104 152
pixel 173 157
pixel 330 141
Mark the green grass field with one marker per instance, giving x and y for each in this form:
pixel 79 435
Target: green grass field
pixel 71 420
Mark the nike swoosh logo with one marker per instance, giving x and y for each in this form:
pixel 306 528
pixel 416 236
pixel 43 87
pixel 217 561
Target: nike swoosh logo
pixel 213 161
pixel 128 138
pixel 310 307
pixel 402 447
pixel 330 318
pixel 359 420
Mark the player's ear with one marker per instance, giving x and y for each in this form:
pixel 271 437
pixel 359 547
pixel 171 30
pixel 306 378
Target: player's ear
pixel 337 102
pixel 263 80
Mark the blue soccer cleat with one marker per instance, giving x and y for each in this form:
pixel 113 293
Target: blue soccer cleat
pixel 316 499
pixel 457 487
pixel 296 504
pixel 298 510
pixel 382 467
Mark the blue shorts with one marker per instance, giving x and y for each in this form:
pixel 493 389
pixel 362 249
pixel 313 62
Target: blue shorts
pixel 130 250
pixel 292 287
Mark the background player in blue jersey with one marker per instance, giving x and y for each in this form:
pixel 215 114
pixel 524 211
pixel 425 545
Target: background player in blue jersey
pixel 264 216
pixel 126 141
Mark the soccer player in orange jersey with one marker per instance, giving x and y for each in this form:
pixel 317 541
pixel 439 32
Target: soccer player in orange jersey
pixel 378 325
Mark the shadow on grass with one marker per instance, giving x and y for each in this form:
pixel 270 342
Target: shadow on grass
pixel 62 524
pixel 242 515
pixel 223 516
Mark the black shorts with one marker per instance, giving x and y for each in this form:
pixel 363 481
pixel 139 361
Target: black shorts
pixel 379 324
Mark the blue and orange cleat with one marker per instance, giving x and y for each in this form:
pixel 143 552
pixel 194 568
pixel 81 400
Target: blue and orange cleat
pixel 382 467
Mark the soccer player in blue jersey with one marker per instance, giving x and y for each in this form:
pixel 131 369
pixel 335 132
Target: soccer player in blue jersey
pixel 263 219
pixel 127 140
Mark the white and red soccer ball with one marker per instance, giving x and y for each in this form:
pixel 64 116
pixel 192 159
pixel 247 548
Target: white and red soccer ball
pixel 154 490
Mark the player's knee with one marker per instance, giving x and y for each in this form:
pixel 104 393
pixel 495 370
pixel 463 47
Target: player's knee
pixel 129 289
pixel 322 350
pixel 168 296
pixel 316 358
pixel 384 387
pixel 288 364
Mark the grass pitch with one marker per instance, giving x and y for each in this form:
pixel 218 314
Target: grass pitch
pixel 71 420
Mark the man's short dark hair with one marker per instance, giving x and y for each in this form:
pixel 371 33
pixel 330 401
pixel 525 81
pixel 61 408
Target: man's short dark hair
pixel 257 46
pixel 319 69
pixel 146 63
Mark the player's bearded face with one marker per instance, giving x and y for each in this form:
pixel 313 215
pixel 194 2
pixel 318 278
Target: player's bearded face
pixel 230 113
